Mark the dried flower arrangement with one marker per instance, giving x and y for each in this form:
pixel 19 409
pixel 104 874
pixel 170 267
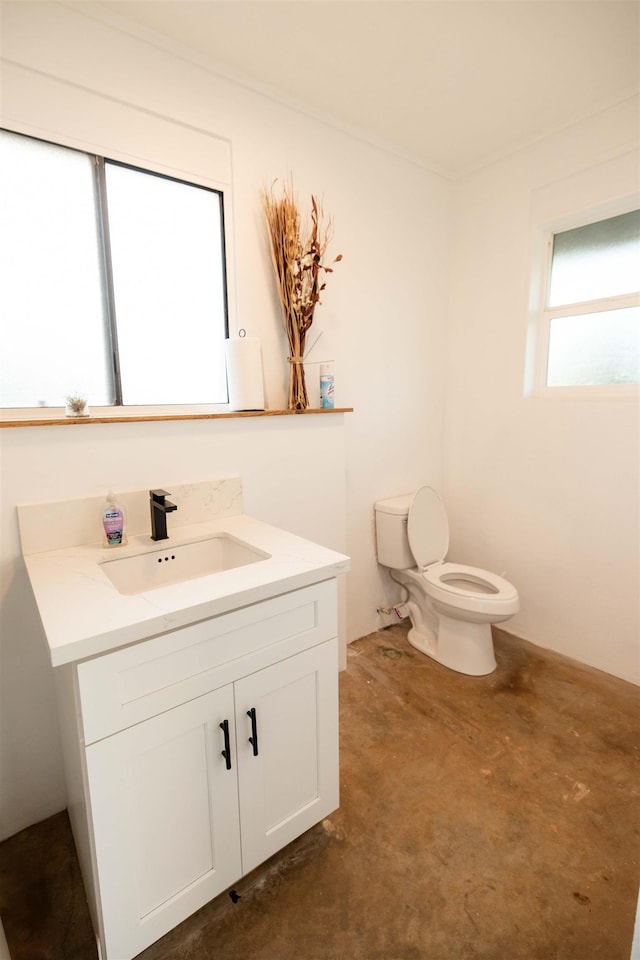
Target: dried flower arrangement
pixel 297 255
pixel 77 406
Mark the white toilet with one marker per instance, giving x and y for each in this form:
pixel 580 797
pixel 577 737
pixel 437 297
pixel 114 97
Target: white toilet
pixel 451 606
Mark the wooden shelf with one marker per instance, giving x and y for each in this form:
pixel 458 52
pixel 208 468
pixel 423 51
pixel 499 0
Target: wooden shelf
pixel 140 417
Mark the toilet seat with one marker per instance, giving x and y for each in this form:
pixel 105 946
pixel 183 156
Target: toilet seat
pixel 454 584
pixel 468 588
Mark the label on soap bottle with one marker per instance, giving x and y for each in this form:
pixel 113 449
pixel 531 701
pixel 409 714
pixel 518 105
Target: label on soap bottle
pixel 113 523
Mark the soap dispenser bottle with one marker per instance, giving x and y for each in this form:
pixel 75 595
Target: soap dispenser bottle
pixel 113 524
pixel 326 386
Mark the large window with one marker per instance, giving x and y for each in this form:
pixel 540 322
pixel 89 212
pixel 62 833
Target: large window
pixel 589 331
pixel 113 282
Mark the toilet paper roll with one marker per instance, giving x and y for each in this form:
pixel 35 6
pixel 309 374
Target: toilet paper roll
pixel 244 373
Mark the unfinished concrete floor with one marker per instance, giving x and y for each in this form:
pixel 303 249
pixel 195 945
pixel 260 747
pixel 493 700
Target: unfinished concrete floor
pixel 493 817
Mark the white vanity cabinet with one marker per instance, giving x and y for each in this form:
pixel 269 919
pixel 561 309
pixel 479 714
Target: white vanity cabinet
pixel 194 755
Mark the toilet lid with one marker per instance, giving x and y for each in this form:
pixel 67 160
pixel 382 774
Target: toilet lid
pixel 428 528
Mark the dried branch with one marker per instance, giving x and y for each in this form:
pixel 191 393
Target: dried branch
pixel 297 258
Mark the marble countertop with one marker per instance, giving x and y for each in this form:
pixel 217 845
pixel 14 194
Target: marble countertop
pixel 83 614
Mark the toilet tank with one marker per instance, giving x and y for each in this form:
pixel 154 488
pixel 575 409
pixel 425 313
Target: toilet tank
pixel 392 541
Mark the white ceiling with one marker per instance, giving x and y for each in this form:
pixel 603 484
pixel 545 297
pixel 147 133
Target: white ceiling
pixel 452 84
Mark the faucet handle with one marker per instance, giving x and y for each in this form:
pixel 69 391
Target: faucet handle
pixel 159 495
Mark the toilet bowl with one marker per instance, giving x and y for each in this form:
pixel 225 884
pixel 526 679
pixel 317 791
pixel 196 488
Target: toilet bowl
pixel 451 606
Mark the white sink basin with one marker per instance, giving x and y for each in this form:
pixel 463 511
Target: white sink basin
pixel 171 564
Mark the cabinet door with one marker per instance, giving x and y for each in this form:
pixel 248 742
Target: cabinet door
pixel 165 818
pixel 289 780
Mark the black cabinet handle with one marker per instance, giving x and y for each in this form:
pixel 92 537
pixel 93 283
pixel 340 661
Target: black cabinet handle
pixel 253 739
pixel 226 753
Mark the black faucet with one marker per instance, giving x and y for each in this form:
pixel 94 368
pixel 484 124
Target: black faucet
pixel 159 510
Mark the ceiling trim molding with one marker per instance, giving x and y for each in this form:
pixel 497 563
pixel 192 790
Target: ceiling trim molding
pixel 100 12
pixel 527 143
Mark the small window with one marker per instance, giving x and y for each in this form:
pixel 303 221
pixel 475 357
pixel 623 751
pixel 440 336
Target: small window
pixel 590 324
pixel 114 282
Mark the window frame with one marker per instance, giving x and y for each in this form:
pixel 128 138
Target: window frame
pixel 154 167
pixel 541 315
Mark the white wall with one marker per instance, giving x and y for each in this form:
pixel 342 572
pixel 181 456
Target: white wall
pixel 544 489
pixel 382 322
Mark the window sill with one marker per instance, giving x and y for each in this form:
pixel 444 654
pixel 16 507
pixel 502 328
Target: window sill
pixel 57 420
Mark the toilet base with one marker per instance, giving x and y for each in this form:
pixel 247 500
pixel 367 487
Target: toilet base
pixel 459 645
